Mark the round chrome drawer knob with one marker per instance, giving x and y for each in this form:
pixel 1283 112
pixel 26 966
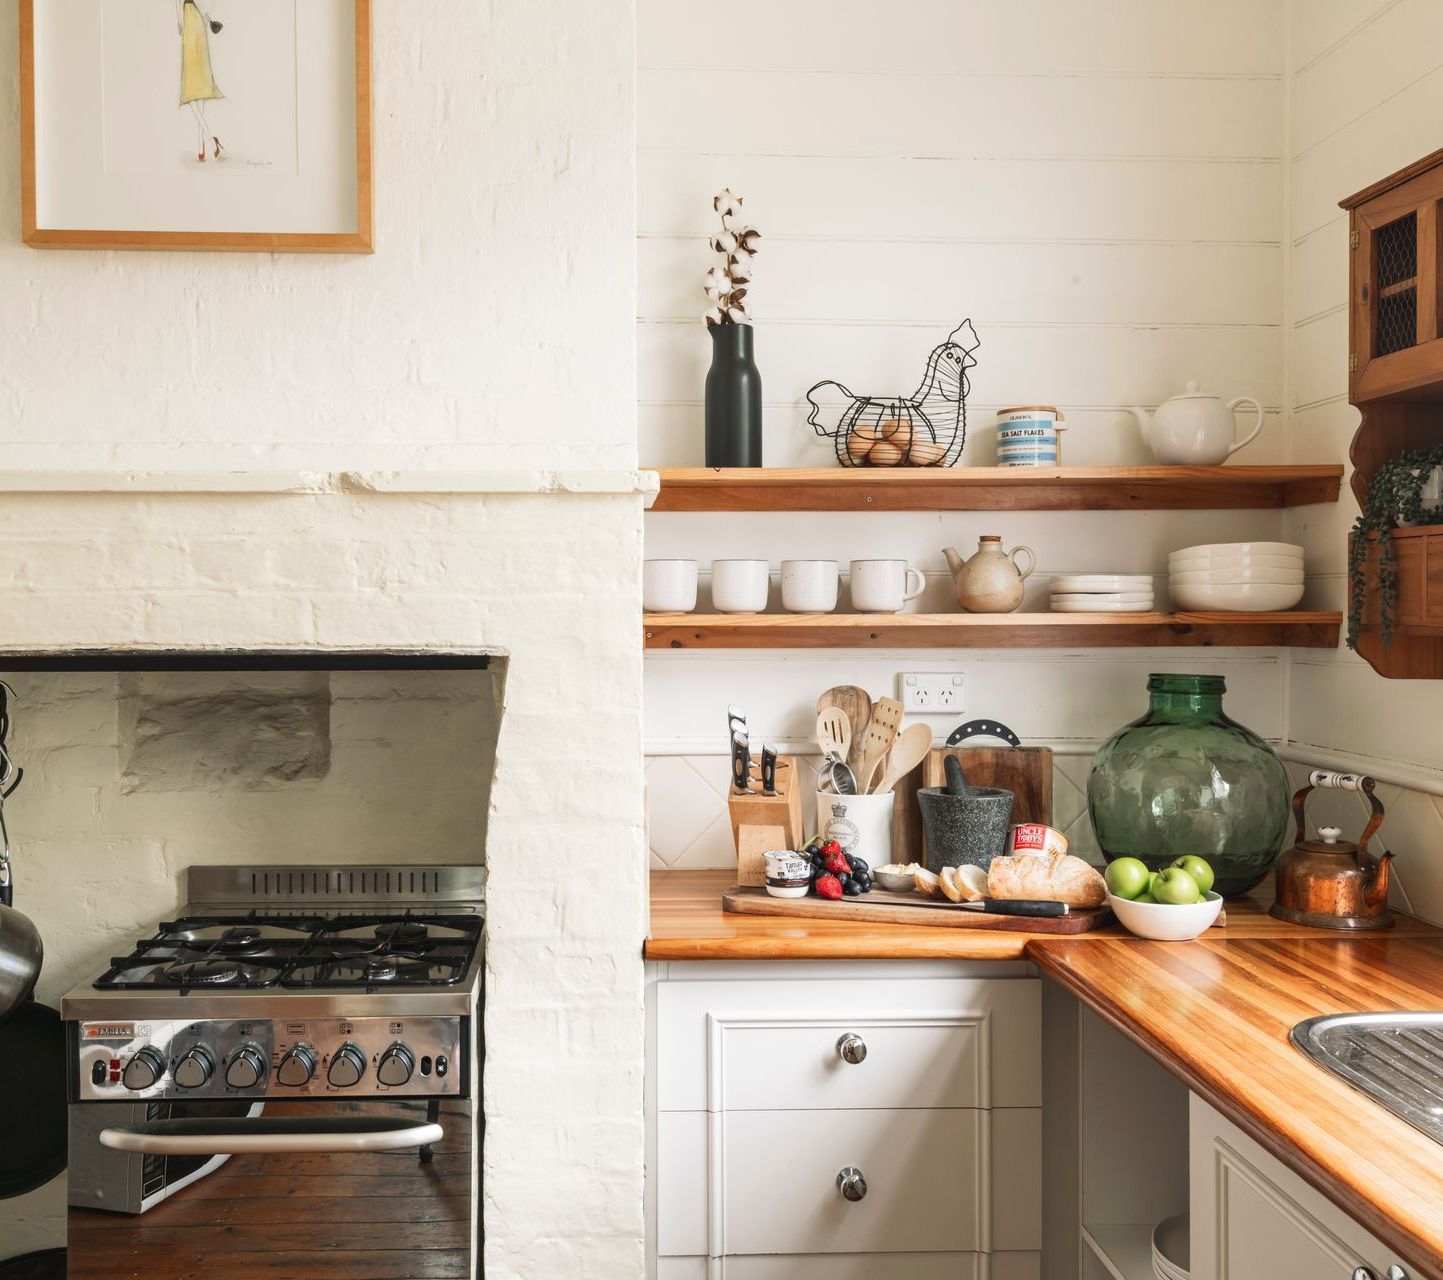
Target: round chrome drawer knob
pixel 348 1066
pixel 396 1066
pixel 852 1048
pixel 854 1187
pixel 297 1067
pixel 1395 1272
pixel 246 1069
pixel 144 1069
pixel 195 1067
pixel 1364 1273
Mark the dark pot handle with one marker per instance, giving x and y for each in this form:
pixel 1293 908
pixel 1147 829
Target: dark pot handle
pixel 983 728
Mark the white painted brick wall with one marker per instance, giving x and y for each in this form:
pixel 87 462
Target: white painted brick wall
pixel 492 328
pixel 551 579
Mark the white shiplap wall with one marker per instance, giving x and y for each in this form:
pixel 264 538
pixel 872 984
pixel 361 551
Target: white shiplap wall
pixel 1100 187
pixel 1365 97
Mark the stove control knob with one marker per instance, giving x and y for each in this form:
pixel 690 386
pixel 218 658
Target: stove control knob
pixel 297 1067
pixel 194 1068
pixel 348 1066
pixel 246 1068
pixel 144 1069
pixel 396 1065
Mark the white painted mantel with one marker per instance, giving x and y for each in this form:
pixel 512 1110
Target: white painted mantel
pixel 542 567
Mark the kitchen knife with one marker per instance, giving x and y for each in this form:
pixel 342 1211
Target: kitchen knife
pixel 741 763
pixel 1016 907
pixel 769 769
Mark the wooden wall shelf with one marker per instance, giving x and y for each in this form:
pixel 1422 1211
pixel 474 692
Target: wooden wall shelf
pixel 994 488
pixel 988 631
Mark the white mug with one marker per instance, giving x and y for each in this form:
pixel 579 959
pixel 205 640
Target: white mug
pixel 809 586
pixel 739 586
pixel 668 586
pixel 884 586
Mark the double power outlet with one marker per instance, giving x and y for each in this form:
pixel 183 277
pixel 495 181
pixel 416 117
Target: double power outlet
pixel 938 692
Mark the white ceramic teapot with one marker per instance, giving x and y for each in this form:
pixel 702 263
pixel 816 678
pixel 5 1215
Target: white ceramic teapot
pixel 1196 429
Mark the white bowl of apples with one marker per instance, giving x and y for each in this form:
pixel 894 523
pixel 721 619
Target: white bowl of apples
pixel 1171 905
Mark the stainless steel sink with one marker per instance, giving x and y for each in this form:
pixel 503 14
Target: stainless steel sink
pixel 1395 1058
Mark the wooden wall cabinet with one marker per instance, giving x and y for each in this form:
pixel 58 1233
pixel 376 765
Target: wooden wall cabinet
pixel 1395 378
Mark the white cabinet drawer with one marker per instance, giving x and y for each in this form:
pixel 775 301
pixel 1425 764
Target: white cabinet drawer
pixel 792 1159
pixel 773 1045
pixel 860 1266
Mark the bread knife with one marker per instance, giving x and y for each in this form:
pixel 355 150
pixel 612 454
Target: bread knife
pixel 1017 907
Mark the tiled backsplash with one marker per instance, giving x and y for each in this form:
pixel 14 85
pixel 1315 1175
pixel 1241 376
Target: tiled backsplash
pixel 688 828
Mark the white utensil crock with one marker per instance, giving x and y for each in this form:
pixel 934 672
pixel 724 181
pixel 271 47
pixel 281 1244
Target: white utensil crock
pixel 862 825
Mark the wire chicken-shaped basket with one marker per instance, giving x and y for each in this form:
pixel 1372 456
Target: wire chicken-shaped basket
pixel 926 429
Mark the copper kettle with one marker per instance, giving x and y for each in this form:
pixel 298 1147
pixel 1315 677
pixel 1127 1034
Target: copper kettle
pixel 1331 883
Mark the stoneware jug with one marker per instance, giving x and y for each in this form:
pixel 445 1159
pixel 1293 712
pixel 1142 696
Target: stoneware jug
pixel 1196 429
pixel 989 581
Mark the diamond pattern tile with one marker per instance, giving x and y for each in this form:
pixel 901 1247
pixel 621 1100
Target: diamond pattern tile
pixel 681 805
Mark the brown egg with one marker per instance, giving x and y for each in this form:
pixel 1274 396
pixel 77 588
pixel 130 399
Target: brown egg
pixel 870 431
pixel 900 434
pixel 926 453
pixel 884 454
pixel 858 447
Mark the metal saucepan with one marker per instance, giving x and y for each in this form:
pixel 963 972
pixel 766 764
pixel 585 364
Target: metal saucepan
pixel 20 955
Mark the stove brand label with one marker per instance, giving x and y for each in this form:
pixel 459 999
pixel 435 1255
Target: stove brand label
pixel 109 1030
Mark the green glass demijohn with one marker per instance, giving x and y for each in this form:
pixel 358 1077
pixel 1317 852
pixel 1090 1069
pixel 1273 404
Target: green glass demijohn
pixel 1186 779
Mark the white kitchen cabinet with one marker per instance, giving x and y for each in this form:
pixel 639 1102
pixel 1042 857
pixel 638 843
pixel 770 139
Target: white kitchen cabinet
pixel 754 1110
pixel 1254 1219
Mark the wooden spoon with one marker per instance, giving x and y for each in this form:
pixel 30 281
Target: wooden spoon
pixel 908 751
pixel 856 705
pixel 881 733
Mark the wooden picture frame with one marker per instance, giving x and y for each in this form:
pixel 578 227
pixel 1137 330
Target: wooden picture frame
pixel 358 240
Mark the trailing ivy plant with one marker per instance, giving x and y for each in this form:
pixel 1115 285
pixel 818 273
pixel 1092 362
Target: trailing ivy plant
pixel 1395 497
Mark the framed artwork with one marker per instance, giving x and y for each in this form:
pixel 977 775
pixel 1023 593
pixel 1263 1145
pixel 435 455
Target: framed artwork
pixel 196 124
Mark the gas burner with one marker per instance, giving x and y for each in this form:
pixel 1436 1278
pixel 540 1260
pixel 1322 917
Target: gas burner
pixel 381 970
pixel 211 973
pixel 394 969
pixel 242 940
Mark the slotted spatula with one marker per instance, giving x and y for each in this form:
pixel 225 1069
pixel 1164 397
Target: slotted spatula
pixel 856 705
pixel 881 733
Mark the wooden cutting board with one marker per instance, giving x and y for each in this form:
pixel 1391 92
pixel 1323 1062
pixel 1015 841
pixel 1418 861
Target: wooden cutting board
pixel 1024 771
pixel 882 907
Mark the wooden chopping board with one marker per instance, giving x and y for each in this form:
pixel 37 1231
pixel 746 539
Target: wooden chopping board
pixel 882 907
pixel 1024 771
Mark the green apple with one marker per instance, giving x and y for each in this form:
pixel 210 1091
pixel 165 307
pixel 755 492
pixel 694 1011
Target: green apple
pixel 1127 877
pixel 1175 887
pixel 1145 897
pixel 1197 868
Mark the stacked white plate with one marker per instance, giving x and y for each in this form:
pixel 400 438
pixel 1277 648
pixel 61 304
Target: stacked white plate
pixel 1171 1249
pixel 1102 593
pixel 1236 577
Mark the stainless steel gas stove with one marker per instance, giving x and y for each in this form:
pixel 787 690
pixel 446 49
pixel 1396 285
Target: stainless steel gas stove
pixel 287 1015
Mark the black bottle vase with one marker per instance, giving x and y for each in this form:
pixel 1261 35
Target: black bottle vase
pixel 733 399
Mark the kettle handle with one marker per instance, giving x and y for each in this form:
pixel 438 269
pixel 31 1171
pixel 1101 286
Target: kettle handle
pixel 1340 782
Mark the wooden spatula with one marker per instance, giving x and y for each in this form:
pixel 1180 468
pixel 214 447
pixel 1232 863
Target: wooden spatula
pixel 908 751
pixel 856 705
pixel 881 733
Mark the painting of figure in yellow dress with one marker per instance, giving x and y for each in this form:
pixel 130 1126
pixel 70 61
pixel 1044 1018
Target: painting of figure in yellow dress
pixel 198 88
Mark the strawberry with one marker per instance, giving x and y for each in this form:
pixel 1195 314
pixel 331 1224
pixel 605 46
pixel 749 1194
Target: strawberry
pixel 828 887
pixel 832 846
pixel 837 864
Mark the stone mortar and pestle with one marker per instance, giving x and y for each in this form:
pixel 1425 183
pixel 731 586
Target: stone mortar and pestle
pixel 964 824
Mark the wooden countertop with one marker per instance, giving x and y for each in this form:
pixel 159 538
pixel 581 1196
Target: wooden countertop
pixel 1216 1013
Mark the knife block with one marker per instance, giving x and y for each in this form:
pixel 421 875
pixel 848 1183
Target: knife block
pixel 763 824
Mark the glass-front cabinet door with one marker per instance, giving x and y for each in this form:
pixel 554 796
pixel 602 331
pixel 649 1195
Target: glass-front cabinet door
pixel 1395 341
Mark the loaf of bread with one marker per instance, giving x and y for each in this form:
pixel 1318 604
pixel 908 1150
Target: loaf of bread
pixel 1056 877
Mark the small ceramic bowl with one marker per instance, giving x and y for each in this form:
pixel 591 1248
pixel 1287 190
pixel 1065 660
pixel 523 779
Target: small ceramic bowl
pixel 895 881
pixel 1165 923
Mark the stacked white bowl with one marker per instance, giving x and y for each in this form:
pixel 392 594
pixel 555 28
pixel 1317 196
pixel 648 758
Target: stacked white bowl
pixel 1102 593
pixel 1236 577
pixel 1171 1255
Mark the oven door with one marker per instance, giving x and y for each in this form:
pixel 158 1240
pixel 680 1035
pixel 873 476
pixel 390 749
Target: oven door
pixel 365 1190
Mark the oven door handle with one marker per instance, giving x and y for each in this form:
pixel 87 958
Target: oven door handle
pixel 269 1135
